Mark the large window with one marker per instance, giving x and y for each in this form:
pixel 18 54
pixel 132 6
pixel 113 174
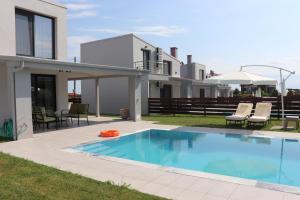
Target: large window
pixel 43 91
pixel 167 67
pixel 34 35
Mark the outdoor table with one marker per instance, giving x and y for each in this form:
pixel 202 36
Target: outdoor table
pixel 291 119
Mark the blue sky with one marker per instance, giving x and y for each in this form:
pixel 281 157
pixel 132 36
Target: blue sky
pixel 221 34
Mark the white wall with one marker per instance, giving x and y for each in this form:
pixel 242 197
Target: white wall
pixel 23 104
pixel 7 24
pixel 116 51
pixel 5 103
pixel 175 64
pixel 192 70
pixel 61 91
pixel 113 94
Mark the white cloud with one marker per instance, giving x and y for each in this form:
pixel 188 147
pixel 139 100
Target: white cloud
pixel 81 6
pixel 164 31
pixel 160 30
pixel 82 14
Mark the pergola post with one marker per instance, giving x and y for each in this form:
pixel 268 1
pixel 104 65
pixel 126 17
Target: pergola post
pixel 135 96
pixel 97 88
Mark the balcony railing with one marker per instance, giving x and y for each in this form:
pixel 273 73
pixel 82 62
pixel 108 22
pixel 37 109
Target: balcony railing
pixel 153 66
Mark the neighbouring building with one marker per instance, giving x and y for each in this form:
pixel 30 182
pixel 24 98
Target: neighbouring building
pixel 33 66
pixel 168 77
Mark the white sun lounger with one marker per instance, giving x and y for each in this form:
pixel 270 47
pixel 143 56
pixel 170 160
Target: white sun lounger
pixel 241 115
pixel 262 114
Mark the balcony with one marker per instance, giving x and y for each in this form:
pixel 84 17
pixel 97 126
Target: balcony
pixel 158 68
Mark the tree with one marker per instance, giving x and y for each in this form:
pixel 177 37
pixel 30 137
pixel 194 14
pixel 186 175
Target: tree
pixel 236 92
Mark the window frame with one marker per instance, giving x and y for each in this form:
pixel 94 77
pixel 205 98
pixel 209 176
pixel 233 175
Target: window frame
pixel 169 63
pixel 31 16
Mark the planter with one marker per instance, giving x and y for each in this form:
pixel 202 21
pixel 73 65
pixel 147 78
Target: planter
pixel 124 113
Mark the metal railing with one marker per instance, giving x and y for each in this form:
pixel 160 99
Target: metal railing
pixel 153 66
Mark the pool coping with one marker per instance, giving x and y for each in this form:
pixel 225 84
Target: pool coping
pixel 193 173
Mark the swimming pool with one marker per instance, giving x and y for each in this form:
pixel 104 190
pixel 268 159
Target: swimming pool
pixel 264 159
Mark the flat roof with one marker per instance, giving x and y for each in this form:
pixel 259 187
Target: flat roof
pixel 84 67
pixel 55 3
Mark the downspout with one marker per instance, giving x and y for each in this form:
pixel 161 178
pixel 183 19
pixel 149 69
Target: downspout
pixel 16 69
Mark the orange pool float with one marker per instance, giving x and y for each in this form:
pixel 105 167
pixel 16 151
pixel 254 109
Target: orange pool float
pixel 109 133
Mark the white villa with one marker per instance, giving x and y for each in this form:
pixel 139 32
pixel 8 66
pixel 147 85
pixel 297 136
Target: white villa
pixel 168 77
pixel 33 66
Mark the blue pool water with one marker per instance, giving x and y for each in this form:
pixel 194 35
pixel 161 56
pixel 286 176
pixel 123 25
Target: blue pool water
pixel 263 159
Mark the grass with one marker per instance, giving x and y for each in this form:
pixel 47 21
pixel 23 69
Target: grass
pixel 208 121
pixel 22 179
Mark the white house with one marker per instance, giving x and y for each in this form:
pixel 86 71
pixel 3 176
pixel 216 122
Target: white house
pixel 168 77
pixel 33 66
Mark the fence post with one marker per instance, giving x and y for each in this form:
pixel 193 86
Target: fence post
pixel 278 107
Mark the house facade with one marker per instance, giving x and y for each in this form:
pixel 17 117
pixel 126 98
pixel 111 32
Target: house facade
pixel 168 77
pixel 33 66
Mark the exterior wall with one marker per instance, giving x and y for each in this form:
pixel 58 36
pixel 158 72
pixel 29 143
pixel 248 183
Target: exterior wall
pixel 191 71
pixel 7 22
pixel 115 52
pixel 6 104
pixel 176 64
pixel 88 94
pixel 139 44
pixel 61 91
pixel 196 91
pixel 113 94
pixel 23 104
pixel 154 91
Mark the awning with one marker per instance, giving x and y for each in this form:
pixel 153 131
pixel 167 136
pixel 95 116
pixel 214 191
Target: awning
pixel 241 78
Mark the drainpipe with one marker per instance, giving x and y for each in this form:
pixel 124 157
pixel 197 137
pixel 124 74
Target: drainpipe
pixel 16 69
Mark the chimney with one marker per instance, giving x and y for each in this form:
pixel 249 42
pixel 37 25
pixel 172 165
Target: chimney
pixel 189 59
pixel 174 52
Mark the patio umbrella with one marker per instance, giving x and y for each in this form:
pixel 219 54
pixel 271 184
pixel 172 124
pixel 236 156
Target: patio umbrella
pixel 241 78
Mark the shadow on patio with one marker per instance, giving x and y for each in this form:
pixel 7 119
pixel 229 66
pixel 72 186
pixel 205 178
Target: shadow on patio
pixel 82 123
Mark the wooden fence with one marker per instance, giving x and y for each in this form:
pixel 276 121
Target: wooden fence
pixel 219 106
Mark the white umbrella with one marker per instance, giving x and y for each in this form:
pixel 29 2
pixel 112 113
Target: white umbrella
pixel 241 78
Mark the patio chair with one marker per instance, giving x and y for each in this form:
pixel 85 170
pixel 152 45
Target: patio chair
pixel 242 113
pixel 40 116
pixel 262 114
pixel 77 111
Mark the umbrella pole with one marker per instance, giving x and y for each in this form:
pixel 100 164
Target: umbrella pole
pixel 282 98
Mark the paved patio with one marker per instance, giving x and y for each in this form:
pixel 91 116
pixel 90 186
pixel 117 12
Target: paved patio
pixel 50 149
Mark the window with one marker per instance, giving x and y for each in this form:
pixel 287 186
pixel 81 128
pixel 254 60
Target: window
pixel 201 74
pixel 34 35
pixel 167 67
pixel 43 91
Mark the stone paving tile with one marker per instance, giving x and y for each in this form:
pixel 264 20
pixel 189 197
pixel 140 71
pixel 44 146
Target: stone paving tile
pixel 203 185
pixel 167 178
pixel 291 197
pixel 212 197
pixel 184 182
pixel 190 195
pixel 222 189
pixel 250 193
pixel 170 192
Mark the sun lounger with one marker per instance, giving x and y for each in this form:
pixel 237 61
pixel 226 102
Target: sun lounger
pixel 262 114
pixel 241 115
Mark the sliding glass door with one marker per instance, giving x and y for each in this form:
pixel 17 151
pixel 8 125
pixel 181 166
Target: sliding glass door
pixel 43 91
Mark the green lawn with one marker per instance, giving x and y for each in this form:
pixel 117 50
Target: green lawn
pixel 208 121
pixel 22 179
